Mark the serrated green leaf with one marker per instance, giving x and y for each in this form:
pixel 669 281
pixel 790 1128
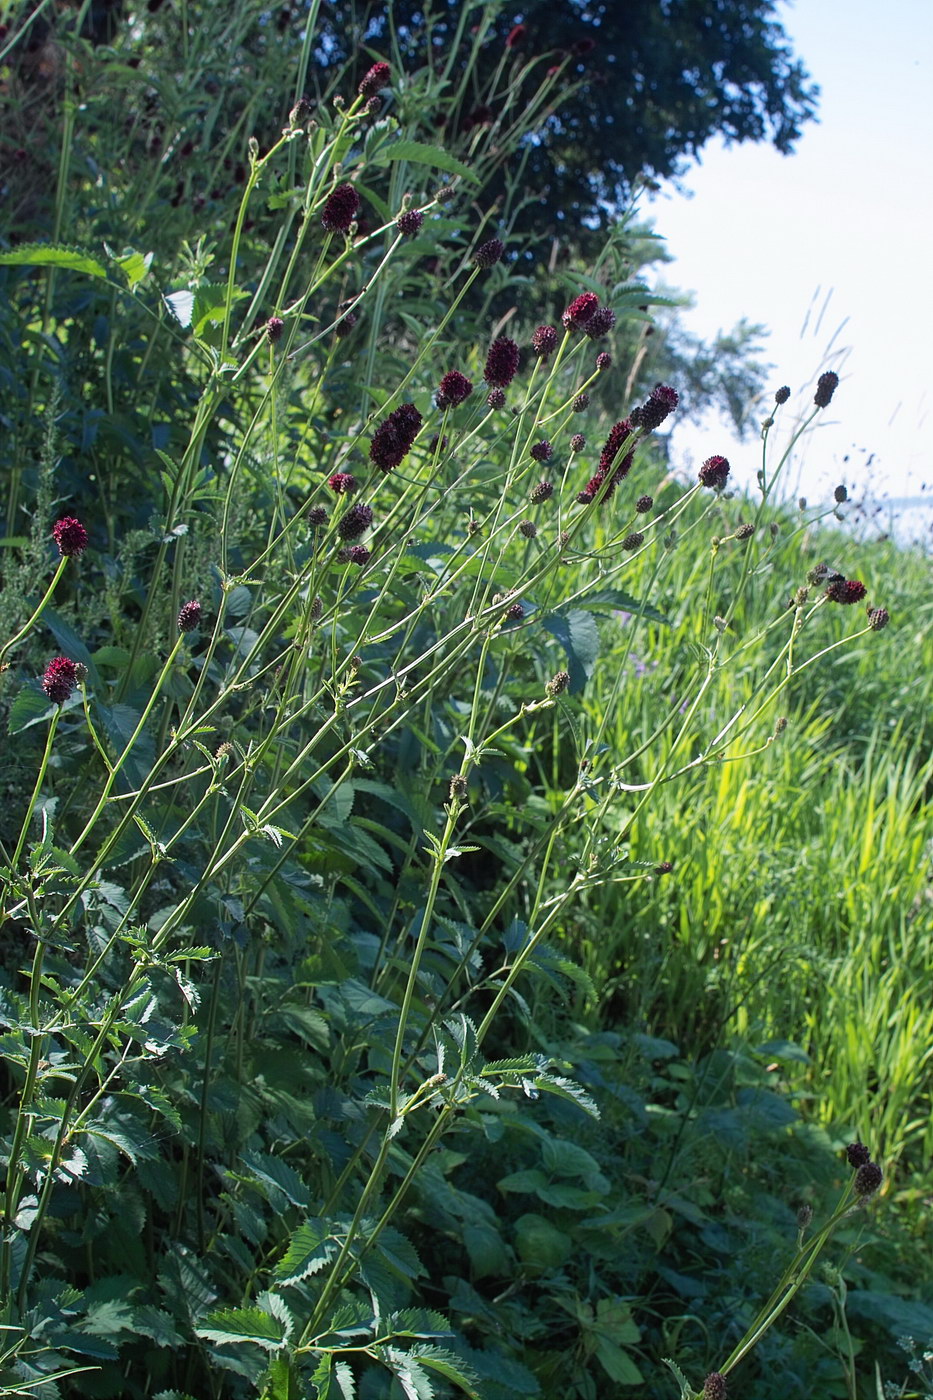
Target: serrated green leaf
pixel 310 1249
pixel 579 636
pixel 419 153
pixel 30 707
pixel 243 1325
pixel 449 1366
pixel 53 255
pixel 686 1389
pixel 134 266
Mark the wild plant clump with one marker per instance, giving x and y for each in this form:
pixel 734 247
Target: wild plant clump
pixel 336 756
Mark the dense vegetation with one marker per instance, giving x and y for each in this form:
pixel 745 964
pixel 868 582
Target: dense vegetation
pixel 465 889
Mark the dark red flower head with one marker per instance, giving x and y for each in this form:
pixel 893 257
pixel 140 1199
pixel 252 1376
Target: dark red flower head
pixel 579 311
pixel 489 253
pixel 358 554
pixel 782 395
pixel 274 328
pixel 600 323
pixel 541 493
pixel 409 222
pixel 496 398
pixel 660 403
pixel 342 483
pixel 501 363
pixel 345 325
pixel 516 35
pixel 857 1154
pixel 341 209
pixel 847 590
pixel 355 521
pixel 619 432
pixel 378 77
pixel 70 536
pixel 878 619
pixel 317 515
pixel 393 438
pixel 825 388
pixel 603 362
pixel 543 341
pixel 453 389
pixel 714 1387
pixel 541 451
pixel 714 473
pixel 867 1180
pixel 60 679
pixel 189 616
pixel 577 442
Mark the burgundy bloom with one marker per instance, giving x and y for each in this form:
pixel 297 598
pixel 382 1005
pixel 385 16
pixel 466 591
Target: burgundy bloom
pixel 857 1154
pixel 867 1180
pixel 189 616
pixel 378 77
pixel 644 504
pixel 454 389
pixel 60 679
pixel 714 1387
pixel 619 432
pixel 70 536
pixel 633 540
pixel 501 363
pixel 409 222
pixel 393 438
pixel 847 590
pixel 825 388
pixel 357 554
pixel 541 493
pixel 341 209
pixel 489 253
pixel 577 442
pixel 581 402
pixel 714 473
pixel 528 528
pixel 543 341
pixel 354 522
pixel 274 328
pixel 782 395
pixel 603 362
pixel 579 311
pixel 345 325
pixel 660 403
pixel 496 398
pixel 541 451
pixel 342 483
pixel 317 515
pixel 878 619
pixel 600 323
pixel 516 35
pixel 515 612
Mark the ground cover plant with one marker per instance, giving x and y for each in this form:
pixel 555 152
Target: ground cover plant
pixel 437 957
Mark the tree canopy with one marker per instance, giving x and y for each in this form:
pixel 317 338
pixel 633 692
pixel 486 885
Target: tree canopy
pixel 640 88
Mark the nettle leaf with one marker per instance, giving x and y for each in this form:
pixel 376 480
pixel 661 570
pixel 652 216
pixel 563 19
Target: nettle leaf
pixel 53 255
pixel 410 1375
pixel 419 153
pixel 686 1389
pixel 446 1364
pixel 243 1325
pixel 579 636
pixel 310 1249
pixel 617 600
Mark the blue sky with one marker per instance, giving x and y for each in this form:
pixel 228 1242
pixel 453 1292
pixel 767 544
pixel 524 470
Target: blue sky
pixel 831 248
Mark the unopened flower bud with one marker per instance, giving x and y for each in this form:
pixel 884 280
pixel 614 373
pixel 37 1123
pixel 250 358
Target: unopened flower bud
pixel 840 494
pixel 459 788
pixel 558 683
pixel 528 528
pixel 878 619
